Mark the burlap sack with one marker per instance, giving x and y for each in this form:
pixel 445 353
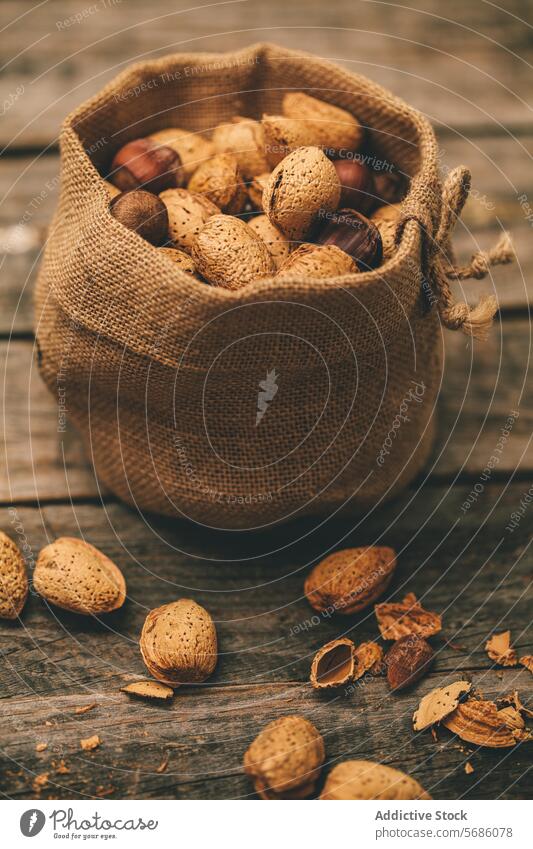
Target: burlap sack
pixel 238 409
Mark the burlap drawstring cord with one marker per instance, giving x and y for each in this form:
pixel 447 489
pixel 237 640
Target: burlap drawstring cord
pixel 474 321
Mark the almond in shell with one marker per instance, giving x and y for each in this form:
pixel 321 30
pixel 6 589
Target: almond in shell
pixel 278 245
pixel 316 261
pixel 228 253
pixel 285 760
pixel 192 148
pixel 303 186
pixel 179 643
pixel 13 579
pixel 220 181
pixel 187 215
pixel 76 576
pixel 369 780
pixel 244 138
pixel 350 580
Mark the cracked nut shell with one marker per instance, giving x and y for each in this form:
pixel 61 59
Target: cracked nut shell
pixel 386 219
pixel 334 664
pixel 76 576
pixel 145 164
pixel 303 186
pixel 179 643
pixel 143 213
pixel 285 759
pixel 368 780
pixel 350 580
pixel 13 579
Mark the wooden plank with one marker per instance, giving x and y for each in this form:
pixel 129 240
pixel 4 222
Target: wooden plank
pixel 465 67
pixel 484 384
pixel 41 460
pixel 465 565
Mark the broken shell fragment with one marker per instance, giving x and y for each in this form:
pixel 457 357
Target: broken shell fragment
pixel 334 664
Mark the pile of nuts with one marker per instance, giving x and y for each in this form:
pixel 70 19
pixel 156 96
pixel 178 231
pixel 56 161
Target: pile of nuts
pixel 287 196
pixel 178 645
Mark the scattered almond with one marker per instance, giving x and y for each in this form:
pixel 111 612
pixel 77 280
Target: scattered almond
pixel 469 769
pixel 334 664
pixel 349 580
pixel 368 780
pixel 179 643
pixel 61 768
pixel 437 704
pixel 317 261
pixel 220 181
pixel 303 186
pixel 369 657
pixel 407 661
pixel 399 619
pixel 187 215
pixel 229 254
pixel 285 760
pixel 75 576
pixel 90 743
pixel 481 723
pixel 13 579
pixel 148 690
pixel 41 747
pixel 498 648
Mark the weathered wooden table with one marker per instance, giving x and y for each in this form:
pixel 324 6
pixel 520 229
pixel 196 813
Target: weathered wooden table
pixel 470 72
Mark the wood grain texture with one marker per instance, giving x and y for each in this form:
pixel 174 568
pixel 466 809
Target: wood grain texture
pixel 463 565
pixel 465 65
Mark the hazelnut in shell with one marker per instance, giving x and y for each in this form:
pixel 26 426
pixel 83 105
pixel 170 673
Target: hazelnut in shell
pixel 142 212
pixel 145 164
pixel 355 235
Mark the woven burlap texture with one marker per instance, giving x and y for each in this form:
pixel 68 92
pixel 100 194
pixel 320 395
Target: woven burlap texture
pixel 162 375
